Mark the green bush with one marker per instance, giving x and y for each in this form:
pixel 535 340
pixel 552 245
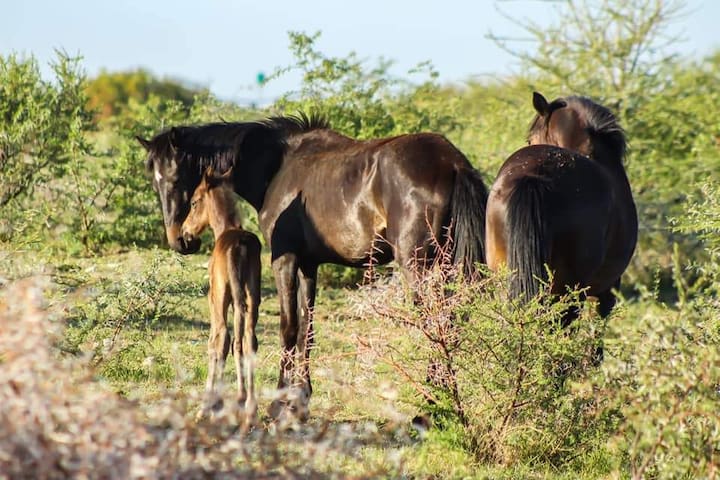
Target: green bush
pixel 663 373
pixel 365 101
pixel 502 375
pixel 42 123
pixel 109 93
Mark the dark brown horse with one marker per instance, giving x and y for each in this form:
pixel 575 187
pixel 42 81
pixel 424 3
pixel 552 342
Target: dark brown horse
pixel 234 273
pixel 565 202
pixel 321 198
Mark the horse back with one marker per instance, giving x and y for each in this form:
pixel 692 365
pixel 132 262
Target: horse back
pixel 235 257
pixel 586 209
pixel 342 202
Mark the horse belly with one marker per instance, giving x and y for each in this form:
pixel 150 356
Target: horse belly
pixel 356 237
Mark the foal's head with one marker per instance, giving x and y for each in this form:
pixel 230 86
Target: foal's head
pixel 212 204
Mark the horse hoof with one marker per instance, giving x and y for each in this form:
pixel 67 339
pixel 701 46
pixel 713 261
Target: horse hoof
pixel 299 409
pixel 285 410
pixel 218 405
pixel 276 408
pixel 421 423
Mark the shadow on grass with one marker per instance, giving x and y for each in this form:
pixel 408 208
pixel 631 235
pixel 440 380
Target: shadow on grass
pixel 179 322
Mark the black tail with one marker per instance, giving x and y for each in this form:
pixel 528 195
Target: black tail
pixel 467 214
pixel 528 248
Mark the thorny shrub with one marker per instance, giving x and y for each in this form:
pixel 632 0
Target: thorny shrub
pixel 501 372
pixel 521 390
pixel 664 373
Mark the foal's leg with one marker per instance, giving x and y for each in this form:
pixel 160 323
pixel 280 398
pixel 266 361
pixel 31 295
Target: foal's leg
pixel 239 310
pixel 250 343
pixel 218 342
pixel 307 280
pixel 285 269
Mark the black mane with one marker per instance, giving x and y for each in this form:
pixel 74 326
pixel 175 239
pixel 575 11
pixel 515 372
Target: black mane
pixel 602 124
pixel 217 144
pixel 299 123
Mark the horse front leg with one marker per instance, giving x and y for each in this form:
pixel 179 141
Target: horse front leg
pixel 307 280
pixel 218 349
pixel 285 269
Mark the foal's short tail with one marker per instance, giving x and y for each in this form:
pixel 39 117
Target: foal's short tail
pixel 467 214
pixel 528 248
pixel 237 257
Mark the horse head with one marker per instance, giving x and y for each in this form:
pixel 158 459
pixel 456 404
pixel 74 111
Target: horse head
pixel 558 123
pixel 174 184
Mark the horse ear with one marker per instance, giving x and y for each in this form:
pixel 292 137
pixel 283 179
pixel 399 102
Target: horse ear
pixel 145 143
pixel 541 104
pixel 215 179
pixel 227 175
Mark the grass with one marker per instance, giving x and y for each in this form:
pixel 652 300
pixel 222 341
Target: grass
pixel 156 346
pixel 137 323
pixel 160 351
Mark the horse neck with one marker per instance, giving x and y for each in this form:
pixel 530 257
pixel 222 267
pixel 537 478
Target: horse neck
pixel 253 182
pixel 259 162
pixel 223 214
pixel 255 169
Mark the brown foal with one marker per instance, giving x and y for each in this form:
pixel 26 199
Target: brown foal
pixel 234 272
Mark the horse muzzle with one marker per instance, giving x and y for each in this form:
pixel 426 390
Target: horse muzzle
pixel 185 244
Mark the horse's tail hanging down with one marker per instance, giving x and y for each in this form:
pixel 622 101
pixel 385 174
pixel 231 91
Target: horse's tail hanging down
pixel 467 214
pixel 237 257
pixel 528 247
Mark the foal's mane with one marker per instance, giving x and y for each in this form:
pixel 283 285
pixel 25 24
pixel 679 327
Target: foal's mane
pixel 217 144
pixel 600 123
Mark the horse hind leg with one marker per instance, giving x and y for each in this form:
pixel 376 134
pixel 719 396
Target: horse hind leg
pixel 307 281
pixel 238 270
pixel 285 269
pixel 218 348
pixel 418 249
pixel 606 303
pixel 239 308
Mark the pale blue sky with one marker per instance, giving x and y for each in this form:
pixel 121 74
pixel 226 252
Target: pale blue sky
pixel 222 44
